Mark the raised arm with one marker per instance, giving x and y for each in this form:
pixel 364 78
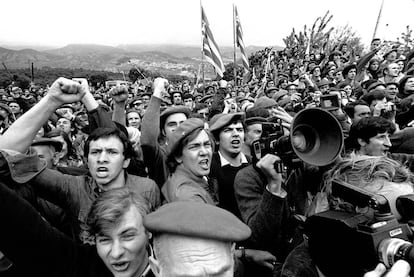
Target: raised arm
pixel 120 96
pixel 21 133
pixel 151 122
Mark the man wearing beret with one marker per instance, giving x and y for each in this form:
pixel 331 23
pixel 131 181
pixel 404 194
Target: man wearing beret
pixel 254 129
pixel 159 127
pixel 194 239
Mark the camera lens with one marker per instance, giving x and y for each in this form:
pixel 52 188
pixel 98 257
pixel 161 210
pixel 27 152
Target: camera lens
pixel 393 249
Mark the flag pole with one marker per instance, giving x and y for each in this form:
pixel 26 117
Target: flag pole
pixel 234 47
pixel 202 48
pixel 378 20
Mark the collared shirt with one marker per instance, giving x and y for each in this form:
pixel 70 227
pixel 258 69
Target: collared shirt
pixel 74 194
pixel 224 161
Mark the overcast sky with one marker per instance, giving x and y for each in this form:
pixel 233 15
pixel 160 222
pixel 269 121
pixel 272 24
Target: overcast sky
pixel 264 22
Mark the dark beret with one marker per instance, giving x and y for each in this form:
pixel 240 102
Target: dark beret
pixel 172 110
pixel 265 102
pixel 205 98
pixel 48 141
pixel 221 120
pixel 254 120
pixel 271 89
pixel 198 220
pixel 182 131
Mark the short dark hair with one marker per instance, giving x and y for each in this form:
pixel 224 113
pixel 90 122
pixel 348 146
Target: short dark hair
pixel 349 108
pixel 367 128
pixel 188 96
pixel 373 95
pixel 109 132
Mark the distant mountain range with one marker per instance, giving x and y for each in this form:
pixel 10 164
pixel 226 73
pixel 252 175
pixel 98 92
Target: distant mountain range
pixel 179 59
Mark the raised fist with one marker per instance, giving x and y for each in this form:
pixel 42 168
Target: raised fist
pixel 66 91
pixel 160 87
pixel 119 94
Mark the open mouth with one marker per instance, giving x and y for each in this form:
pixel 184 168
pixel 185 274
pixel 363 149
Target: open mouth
pixel 235 143
pixel 205 164
pixel 102 171
pixel 121 266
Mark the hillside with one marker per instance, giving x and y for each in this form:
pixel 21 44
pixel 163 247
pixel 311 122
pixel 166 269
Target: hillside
pixel 171 59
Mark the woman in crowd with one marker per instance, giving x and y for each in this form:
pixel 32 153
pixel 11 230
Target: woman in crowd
pixel 189 157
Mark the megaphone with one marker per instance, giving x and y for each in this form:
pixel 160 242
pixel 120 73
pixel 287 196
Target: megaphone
pixel 316 136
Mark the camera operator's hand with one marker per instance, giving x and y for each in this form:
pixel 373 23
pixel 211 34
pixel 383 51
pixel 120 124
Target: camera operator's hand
pixel 378 108
pixel 119 94
pixel 296 97
pixel 65 91
pixel 160 87
pixel 400 269
pixel 260 257
pixel 280 113
pixel 274 179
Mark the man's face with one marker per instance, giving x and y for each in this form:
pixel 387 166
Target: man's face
pixel 253 132
pixel 177 100
pixel 324 89
pixel 146 99
pixel 134 120
pixel 106 162
pixel 123 248
pixel 393 69
pixel 46 153
pixel 360 111
pixel 231 139
pixel 409 85
pixel 172 122
pixel 351 74
pixel 196 156
pixel 392 90
pixel 375 44
pixel 376 146
pixel 189 103
pixel 15 108
pixel 198 257
pixel 64 125
pixel 338 76
pixel 204 113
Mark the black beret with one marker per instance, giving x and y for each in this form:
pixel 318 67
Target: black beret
pixel 172 110
pixel 182 131
pixel 221 120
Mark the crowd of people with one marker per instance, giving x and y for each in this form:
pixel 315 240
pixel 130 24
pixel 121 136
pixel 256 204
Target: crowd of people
pixel 166 180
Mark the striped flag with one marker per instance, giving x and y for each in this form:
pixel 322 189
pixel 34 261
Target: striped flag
pixel 239 40
pixel 210 49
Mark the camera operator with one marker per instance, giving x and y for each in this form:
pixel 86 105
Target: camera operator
pixel 376 174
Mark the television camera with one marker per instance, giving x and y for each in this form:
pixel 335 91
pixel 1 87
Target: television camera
pixel 350 244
